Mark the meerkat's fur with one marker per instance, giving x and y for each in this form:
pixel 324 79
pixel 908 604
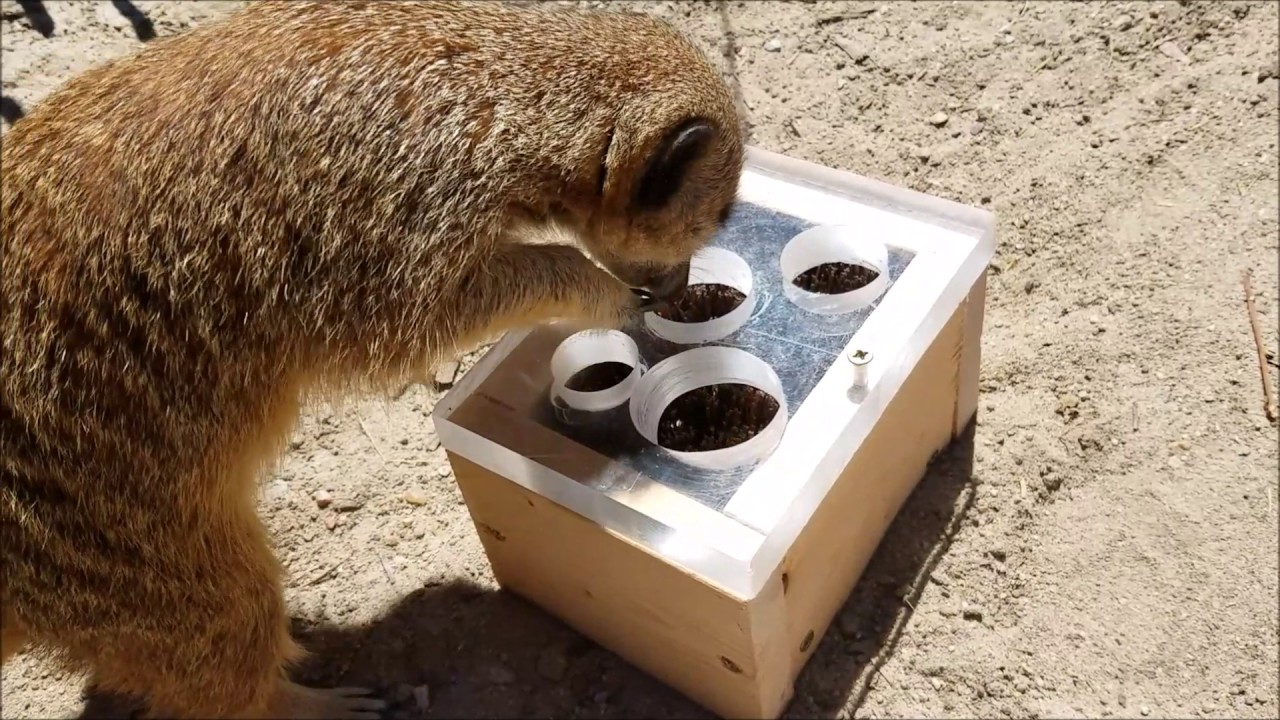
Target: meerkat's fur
pixel 306 198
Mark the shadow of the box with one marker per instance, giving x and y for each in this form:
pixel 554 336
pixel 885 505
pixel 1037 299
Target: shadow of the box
pixel 484 654
pixel 866 632
pixel 480 654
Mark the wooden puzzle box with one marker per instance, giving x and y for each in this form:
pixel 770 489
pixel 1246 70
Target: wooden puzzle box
pixel 704 503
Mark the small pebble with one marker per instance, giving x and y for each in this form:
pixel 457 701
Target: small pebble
pixel 347 504
pixel 939 119
pixel 447 373
pixel 422 697
pixel 1171 50
pixel 1144 710
pixel 390 540
pixel 975 127
pixel 415 497
pixel 773 45
pixel 323 499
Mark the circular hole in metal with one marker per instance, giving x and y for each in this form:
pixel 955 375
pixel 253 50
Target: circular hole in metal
pixel 594 370
pixel 831 270
pixel 835 278
pixel 718 301
pixel 714 417
pixel 711 407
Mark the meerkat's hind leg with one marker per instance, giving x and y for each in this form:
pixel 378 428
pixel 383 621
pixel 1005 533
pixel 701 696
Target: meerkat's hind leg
pixel 203 632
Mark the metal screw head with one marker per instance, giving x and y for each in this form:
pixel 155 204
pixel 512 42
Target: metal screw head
pixel 860 360
pixel 859 357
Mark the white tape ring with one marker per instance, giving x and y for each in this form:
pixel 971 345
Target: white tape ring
pixel 718 266
pixel 700 367
pixel 833 244
pixel 583 349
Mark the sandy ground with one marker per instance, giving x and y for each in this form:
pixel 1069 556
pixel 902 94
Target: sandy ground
pixel 1106 547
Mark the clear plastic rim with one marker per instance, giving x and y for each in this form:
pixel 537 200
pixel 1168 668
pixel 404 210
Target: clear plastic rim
pixel 699 367
pixel 583 349
pixel 711 265
pixel 833 243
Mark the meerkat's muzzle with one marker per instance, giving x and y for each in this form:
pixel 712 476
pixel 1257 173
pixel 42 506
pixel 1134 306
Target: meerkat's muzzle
pixel 671 284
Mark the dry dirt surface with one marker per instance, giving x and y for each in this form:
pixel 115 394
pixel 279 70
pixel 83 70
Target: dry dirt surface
pixel 1106 546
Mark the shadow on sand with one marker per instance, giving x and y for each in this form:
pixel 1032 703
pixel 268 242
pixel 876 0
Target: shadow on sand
pixel 490 654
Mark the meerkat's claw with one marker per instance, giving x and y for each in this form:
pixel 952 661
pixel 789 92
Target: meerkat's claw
pixel 347 691
pixel 645 302
pixel 341 703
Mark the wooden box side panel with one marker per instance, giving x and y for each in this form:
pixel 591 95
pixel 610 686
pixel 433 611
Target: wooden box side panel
pixel 687 633
pixel 833 549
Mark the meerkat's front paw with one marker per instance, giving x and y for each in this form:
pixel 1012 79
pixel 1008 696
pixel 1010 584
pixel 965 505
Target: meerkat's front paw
pixel 620 306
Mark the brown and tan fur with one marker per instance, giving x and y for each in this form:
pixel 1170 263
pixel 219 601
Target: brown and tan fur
pixel 307 200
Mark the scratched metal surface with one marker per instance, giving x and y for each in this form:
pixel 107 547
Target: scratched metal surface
pixel 798 345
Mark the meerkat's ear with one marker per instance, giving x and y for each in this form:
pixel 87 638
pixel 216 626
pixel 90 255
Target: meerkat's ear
pixel 669 162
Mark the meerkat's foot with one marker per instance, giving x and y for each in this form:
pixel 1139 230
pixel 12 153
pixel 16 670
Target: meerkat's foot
pixel 299 702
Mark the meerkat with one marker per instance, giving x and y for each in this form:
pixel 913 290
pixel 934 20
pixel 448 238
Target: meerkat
pixel 304 200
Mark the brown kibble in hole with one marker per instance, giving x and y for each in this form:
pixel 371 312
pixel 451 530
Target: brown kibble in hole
pixel 600 376
pixel 835 278
pixel 715 417
pixel 730 665
pixel 703 302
